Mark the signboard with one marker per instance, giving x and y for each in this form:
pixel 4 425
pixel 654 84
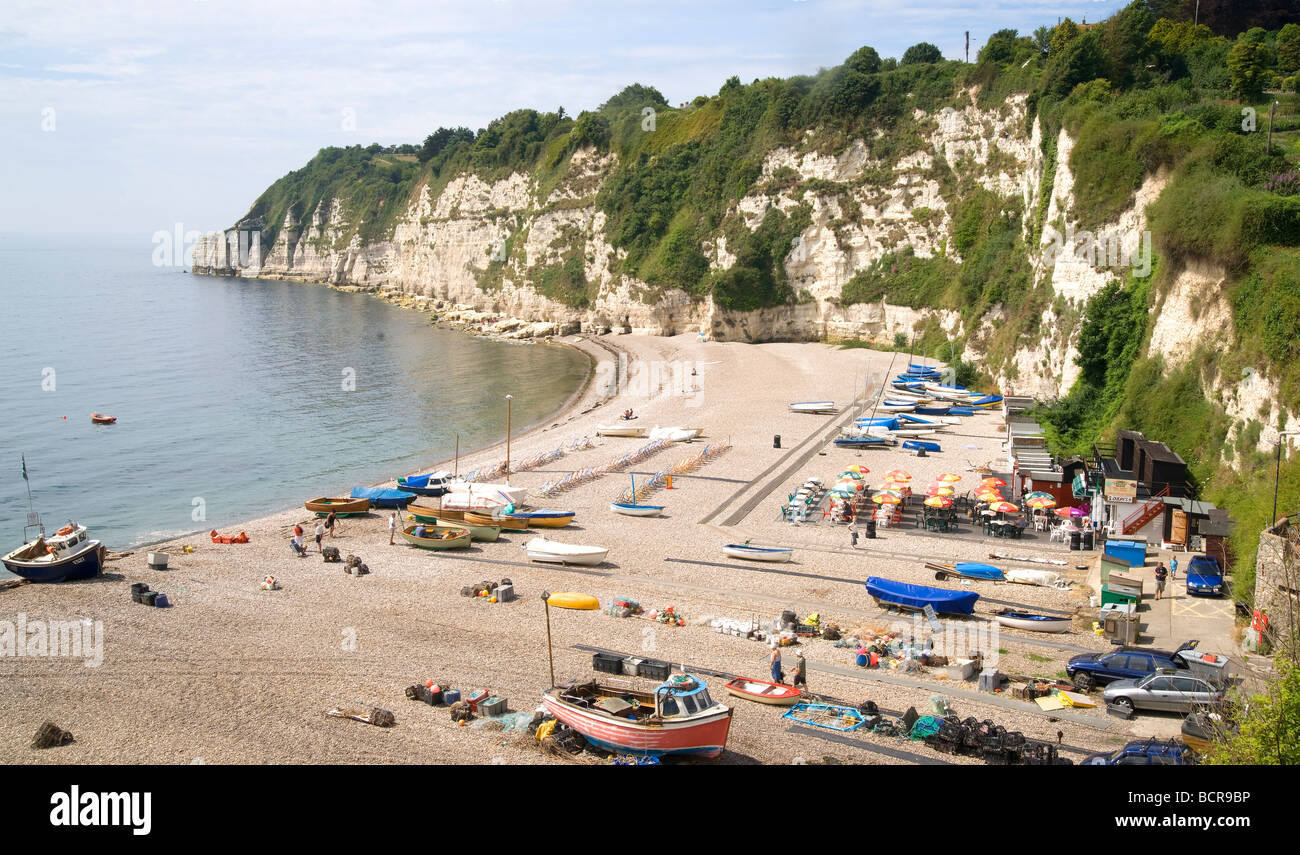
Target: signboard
pixel 1118 490
pixel 1079 487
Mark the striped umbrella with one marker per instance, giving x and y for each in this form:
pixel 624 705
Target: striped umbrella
pixel 989 495
pixel 1004 508
pixel 859 468
pixel 950 477
pixel 939 490
pixel 1042 503
pixel 899 475
pixel 886 499
pixel 939 502
pixel 992 482
pixel 1038 494
pixel 851 475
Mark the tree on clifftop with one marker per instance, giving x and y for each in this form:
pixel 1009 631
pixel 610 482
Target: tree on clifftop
pixel 920 53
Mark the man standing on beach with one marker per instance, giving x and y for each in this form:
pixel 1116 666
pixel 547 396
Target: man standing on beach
pixel 778 676
pixel 331 521
pixel 392 527
pixel 320 534
pixel 800 672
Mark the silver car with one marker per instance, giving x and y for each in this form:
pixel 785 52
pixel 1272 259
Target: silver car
pixel 1165 690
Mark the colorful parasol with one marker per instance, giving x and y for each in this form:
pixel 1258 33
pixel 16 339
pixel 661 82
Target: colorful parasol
pixel 886 499
pixel 939 502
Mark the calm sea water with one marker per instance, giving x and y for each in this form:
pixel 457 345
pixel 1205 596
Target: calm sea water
pixel 230 394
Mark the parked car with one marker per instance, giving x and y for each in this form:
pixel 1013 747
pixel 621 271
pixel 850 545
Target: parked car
pixel 1144 752
pixel 1126 663
pixel 1204 577
pixel 1170 691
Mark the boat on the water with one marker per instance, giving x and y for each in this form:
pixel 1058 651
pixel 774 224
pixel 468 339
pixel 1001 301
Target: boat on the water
pixel 481 533
pixel 1033 622
pixel 382 498
pixel 339 506
pixel 632 509
pixel 618 430
pixel 67 554
pixel 437 537
pixel 101 419
pixel 776 554
pixel 678 717
pixel 554 552
pixel 429 484
pixel 764 692
pixel 916 597
pixel 813 407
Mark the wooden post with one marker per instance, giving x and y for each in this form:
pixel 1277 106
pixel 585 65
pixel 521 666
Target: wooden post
pixel 1268 149
pixel 546 600
pixel 455 470
pixel 508 400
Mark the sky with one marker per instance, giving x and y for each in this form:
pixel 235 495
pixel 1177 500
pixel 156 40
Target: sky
pixel 128 117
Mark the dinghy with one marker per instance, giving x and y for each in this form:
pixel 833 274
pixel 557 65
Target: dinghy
pixel 428 484
pixel 813 407
pixel 101 419
pixel 919 445
pixel 436 537
pixel 340 507
pixel 758 553
pixel 888 592
pixel 967 570
pixel 554 552
pixel 481 533
pixel 381 498
pixel 1033 622
pixel 614 430
pixel 864 442
pixel 763 692
pixel 631 509
pixel 674 434
pixel 932 410
pixel 543 519
pixel 467 494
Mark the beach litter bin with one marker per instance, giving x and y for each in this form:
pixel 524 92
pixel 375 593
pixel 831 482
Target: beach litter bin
pixel 1089 540
pixel 1075 540
pixel 776 440
pixel 871 529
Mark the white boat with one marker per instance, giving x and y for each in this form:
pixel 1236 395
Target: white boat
pixel 674 434
pixel 758 553
pixel 814 407
pixel 1033 622
pixel 630 509
pixel 470 494
pixel 554 552
pixel 616 430
pixel 896 406
pixel 1045 578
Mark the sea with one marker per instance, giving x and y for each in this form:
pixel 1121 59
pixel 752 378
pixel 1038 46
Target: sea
pixel 234 398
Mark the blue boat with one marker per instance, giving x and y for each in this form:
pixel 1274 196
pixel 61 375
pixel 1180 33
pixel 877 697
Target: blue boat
pixel 917 597
pixel 932 411
pixel 70 554
pixel 921 445
pixel 987 401
pixel 381 498
pixel 960 411
pixel 968 570
pixel 429 484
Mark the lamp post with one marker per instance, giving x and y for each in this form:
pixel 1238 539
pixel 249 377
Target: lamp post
pixel 509 398
pixel 1277 473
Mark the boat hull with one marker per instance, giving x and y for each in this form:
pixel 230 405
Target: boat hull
pixel 480 533
pixel 917 597
pixel 459 541
pixel 1034 623
pixel 627 432
pixel 324 506
pixel 381 498
pixel 545 520
pixel 702 737
pixel 551 552
pixel 84 564
pixel 764 692
pixel 813 407
pixel 630 510
pixel 758 553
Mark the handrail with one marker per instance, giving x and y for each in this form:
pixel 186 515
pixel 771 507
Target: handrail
pixel 1144 513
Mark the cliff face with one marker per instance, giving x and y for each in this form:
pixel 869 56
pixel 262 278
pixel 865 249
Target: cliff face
pixel 485 246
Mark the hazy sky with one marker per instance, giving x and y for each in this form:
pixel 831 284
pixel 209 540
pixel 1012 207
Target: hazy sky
pixel 135 116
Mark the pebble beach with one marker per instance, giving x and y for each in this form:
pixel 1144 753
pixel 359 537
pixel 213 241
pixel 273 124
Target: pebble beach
pixel 231 673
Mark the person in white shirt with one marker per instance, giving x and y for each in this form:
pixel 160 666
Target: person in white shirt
pixel 392 527
pixel 320 533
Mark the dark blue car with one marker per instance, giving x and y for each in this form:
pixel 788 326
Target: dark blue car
pixel 1124 663
pixel 1204 577
pixel 1144 752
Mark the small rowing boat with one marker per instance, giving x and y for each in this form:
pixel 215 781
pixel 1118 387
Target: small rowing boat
pixel 864 442
pixel 967 570
pixel 1033 622
pixel 921 445
pixel 381 498
pixel 616 430
pixel 543 519
pixel 481 533
pixel 101 419
pixel 813 407
pixel 764 692
pixel 340 507
pixel 554 552
pixel 632 509
pixel 776 554
pixel 437 537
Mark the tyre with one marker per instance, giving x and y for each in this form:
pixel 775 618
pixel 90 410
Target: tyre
pixel 1084 682
pixel 1124 704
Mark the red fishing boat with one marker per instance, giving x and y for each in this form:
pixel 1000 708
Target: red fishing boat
pixel 101 419
pixel 678 717
pixel 764 692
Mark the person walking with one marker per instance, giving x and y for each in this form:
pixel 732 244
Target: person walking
pixel 778 676
pixel 853 534
pixel 1161 575
pixel 392 527
pixel 1173 569
pixel 331 521
pixel 800 672
pixel 320 533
